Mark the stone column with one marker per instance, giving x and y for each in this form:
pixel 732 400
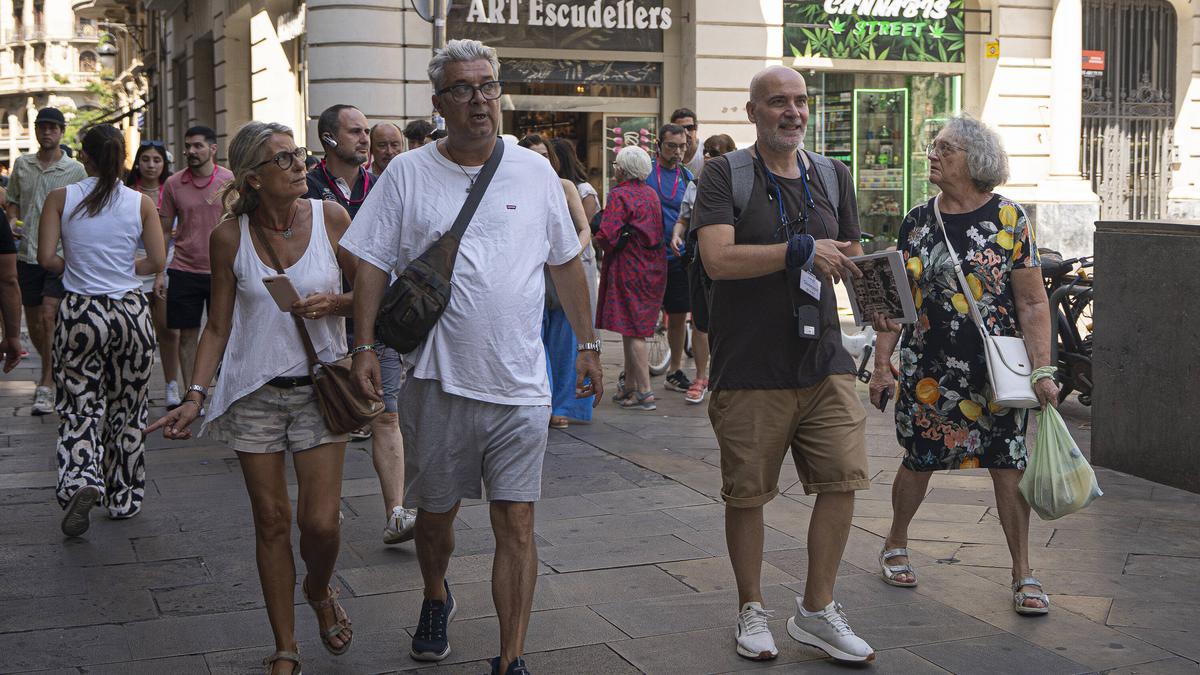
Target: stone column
pixel 1066 208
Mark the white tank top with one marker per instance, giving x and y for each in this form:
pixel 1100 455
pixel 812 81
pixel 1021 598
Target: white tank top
pixel 264 342
pixel 99 250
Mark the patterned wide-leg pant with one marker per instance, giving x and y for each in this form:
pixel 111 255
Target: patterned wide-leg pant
pixel 103 354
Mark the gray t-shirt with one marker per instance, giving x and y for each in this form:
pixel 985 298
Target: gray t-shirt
pixel 753 329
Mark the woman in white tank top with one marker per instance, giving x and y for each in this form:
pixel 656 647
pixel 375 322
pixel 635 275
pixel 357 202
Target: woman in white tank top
pixel 103 337
pixel 264 403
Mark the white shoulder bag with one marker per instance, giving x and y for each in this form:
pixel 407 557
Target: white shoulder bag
pixel 1008 362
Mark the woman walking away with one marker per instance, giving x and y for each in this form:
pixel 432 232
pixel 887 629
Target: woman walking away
pixel 264 404
pixel 151 166
pixel 557 336
pixel 945 416
pixel 634 273
pixel 103 340
pixel 570 168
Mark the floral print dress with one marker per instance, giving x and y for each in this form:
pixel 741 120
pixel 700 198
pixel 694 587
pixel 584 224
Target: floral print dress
pixel 945 418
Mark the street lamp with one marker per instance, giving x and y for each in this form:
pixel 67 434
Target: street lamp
pixel 107 51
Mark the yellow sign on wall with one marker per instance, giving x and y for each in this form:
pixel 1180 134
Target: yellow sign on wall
pixel 993 49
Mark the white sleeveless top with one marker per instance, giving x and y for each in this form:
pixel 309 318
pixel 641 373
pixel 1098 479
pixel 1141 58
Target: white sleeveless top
pixel 99 250
pixel 264 342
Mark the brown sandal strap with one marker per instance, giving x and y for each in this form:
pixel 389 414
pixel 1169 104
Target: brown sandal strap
pixel 281 655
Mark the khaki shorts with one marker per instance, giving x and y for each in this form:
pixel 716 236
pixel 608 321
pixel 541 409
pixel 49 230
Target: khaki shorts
pixel 273 419
pixel 823 425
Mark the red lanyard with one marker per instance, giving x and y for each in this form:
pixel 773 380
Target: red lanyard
pixel 211 177
pixel 658 174
pixel 338 191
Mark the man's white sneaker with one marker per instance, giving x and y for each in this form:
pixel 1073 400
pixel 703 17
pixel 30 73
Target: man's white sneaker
pixel 400 526
pixel 754 640
pixel 173 398
pixel 829 631
pixel 43 401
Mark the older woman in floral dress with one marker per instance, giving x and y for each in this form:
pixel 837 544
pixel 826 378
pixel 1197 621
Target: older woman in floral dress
pixel 945 416
pixel 634 275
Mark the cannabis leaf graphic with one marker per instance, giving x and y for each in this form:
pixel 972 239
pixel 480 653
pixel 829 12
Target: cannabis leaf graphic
pixel 937 32
pixel 837 26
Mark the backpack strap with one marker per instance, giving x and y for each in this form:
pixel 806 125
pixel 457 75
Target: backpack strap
pixel 741 175
pixel 829 179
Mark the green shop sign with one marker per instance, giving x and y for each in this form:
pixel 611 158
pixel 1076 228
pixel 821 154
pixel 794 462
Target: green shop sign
pixel 875 30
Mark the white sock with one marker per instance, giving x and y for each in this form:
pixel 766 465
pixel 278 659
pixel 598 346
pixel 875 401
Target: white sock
pixel 806 613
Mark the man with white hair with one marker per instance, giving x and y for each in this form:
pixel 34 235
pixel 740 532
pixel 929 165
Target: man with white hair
pixel 776 224
pixel 476 405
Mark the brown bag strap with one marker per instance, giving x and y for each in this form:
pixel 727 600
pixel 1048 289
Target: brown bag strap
pixel 256 230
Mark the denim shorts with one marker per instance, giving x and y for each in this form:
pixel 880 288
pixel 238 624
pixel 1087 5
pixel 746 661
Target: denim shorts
pixel 391 371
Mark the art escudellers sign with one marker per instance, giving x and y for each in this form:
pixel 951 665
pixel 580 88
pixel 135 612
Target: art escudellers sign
pixel 624 25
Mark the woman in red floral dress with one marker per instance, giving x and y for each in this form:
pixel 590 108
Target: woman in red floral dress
pixel 634 275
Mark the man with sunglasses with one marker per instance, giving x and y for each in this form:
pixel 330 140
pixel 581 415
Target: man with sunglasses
pixel 191 203
pixel 693 157
pixel 340 176
pixel 670 179
pixel 476 406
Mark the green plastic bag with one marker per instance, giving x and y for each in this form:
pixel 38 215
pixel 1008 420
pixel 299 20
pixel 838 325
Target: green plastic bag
pixel 1058 480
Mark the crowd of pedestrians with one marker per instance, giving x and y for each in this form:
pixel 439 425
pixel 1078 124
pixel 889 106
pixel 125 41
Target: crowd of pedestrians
pixel 745 244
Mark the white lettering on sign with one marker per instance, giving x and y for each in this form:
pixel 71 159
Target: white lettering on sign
pixel 599 14
pixel 926 9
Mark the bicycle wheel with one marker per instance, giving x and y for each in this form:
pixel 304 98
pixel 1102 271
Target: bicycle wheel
pixel 658 348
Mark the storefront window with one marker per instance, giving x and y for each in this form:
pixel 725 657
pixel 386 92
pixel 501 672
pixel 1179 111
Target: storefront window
pixel 878 124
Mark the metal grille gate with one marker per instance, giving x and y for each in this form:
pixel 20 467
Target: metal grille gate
pixel 1129 112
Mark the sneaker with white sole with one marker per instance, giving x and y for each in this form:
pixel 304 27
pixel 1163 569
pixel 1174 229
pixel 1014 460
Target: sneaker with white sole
pixel 754 639
pixel 43 401
pixel 829 631
pixel 174 400
pixel 400 526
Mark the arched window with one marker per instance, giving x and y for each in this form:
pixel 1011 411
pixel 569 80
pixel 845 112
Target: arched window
pixel 88 63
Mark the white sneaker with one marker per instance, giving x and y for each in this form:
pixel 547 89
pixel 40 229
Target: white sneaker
pixel 174 400
pixel 754 640
pixel 399 526
pixel 43 401
pixel 829 631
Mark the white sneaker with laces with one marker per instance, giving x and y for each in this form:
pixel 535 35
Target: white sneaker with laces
pixel 400 526
pixel 173 398
pixel 829 631
pixel 43 401
pixel 754 639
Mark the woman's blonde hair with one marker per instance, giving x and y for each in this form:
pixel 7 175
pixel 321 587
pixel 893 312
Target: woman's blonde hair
pixel 634 162
pixel 245 154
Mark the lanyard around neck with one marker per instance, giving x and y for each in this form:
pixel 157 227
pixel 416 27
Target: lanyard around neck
pixel 366 178
pixel 675 188
pixel 775 186
pixel 161 186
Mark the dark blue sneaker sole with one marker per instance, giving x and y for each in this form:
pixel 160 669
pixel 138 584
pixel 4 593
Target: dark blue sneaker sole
pixel 436 656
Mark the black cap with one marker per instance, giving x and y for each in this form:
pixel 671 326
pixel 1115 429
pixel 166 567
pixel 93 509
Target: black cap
pixel 51 115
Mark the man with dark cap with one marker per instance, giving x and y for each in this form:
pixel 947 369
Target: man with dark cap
pixel 33 177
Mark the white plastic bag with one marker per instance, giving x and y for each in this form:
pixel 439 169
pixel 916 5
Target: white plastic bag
pixel 1058 480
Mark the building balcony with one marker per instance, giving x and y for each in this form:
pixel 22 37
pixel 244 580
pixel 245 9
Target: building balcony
pixel 46 82
pixel 82 33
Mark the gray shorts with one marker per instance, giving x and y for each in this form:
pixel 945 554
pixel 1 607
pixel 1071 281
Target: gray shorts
pixel 391 371
pixel 273 419
pixel 452 443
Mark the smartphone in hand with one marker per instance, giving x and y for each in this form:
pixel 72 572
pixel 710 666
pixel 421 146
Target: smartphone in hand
pixel 884 397
pixel 281 289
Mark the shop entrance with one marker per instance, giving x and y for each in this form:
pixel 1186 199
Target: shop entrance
pixel 1128 105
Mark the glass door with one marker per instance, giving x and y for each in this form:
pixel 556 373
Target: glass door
pixel 625 130
pixel 880 156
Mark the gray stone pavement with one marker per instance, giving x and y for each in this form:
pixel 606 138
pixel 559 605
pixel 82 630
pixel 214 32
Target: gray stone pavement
pixel 634 575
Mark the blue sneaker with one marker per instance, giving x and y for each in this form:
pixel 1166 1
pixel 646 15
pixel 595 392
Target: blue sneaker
pixel 430 643
pixel 517 667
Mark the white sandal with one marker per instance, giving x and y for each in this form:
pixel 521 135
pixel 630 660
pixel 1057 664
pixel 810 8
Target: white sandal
pixel 890 572
pixel 1019 597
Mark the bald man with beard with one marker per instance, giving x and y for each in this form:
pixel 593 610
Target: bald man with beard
pixel 782 382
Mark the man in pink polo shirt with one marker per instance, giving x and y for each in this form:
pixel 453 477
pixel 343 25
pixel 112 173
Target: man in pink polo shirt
pixel 192 195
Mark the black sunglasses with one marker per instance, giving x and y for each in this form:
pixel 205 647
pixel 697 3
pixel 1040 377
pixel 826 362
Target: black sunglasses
pixel 153 144
pixel 689 127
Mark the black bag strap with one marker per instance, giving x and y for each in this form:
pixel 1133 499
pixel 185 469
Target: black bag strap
pixel 477 189
pixel 256 230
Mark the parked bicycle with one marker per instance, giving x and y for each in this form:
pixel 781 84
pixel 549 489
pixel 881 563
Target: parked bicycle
pixel 1069 286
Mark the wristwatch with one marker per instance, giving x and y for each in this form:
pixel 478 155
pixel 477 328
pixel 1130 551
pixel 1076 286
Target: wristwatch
pixel 199 389
pixel 593 346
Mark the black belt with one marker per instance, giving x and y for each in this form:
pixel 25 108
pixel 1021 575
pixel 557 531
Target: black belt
pixel 290 382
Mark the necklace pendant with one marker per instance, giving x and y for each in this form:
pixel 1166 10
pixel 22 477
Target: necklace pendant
pixel 287 234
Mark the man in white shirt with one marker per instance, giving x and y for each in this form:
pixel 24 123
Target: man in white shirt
pixel 476 405
pixel 693 157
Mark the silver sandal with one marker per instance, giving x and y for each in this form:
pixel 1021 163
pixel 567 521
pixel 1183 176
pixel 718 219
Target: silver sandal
pixel 269 662
pixel 890 572
pixel 1019 597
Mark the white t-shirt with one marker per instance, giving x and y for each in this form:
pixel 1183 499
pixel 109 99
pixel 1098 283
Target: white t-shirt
pixel 697 163
pixel 488 344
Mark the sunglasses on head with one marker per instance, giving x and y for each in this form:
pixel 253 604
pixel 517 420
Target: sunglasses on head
pixel 153 144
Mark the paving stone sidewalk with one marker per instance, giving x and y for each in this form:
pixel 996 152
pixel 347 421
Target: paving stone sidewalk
pixel 634 574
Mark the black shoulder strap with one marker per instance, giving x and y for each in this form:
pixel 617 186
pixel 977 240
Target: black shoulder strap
pixel 477 189
pixel 829 180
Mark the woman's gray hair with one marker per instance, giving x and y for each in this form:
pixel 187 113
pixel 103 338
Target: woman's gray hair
pixel 457 51
pixel 634 162
pixel 245 153
pixel 987 162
